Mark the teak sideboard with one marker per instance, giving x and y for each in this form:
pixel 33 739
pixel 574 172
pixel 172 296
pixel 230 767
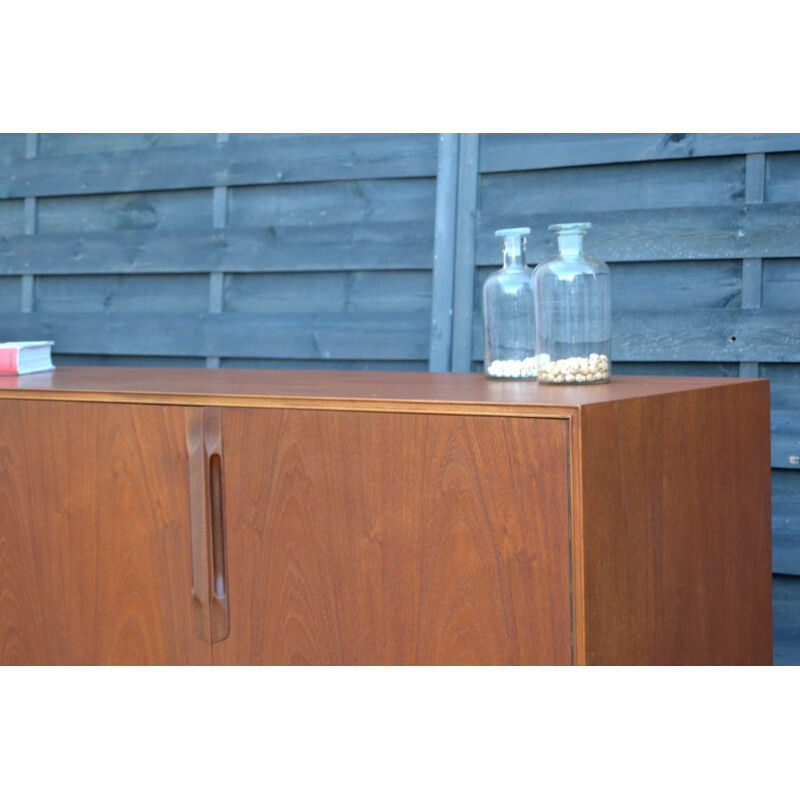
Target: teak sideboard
pixel 154 516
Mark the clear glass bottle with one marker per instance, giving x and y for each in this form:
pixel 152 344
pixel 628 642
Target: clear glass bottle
pixel 509 313
pixel 573 312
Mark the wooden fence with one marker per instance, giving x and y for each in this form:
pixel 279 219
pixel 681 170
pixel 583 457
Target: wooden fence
pixel 369 252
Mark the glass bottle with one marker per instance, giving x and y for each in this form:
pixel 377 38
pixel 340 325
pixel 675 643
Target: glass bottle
pixel 509 313
pixel 573 312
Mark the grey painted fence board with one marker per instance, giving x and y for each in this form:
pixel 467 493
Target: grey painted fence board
pixel 784 385
pixel 340 202
pixel 782 177
pixel 328 292
pixel 9 295
pixel 296 159
pixel 350 366
pixel 669 286
pixel 99 360
pixel 12 217
pixel 698 335
pixel 369 246
pixel 12 145
pixel 126 211
pixel 697 369
pixel 444 255
pixel 383 336
pixel 71 143
pixel 785 429
pixel 73 360
pixel 781 284
pixel 79 294
pixel 771 230
pixel 786 522
pixel 616 187
pixel 676 286
pixel 786 620
pixel 503 152
pixel 464 267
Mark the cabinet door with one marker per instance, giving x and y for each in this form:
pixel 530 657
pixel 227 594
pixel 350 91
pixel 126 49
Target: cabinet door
pixel 383 538
pixel 95 550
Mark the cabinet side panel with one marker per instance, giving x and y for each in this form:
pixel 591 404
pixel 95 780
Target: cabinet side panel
pixel 358 538
pixel 676 528
pixel 95 564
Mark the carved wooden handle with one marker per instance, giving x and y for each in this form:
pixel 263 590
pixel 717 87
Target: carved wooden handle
pixel 206 497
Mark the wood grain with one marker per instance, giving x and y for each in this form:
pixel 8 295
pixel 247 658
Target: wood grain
pixel 442 393
pixel 676 528
pixel 395 539
pixel 95 564
pixel 767 230
pixel 275 159
pixel 291 248
pixel 522 151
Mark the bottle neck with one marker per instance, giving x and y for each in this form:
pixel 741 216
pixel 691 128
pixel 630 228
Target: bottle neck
pixel 514 254
pixel 570 244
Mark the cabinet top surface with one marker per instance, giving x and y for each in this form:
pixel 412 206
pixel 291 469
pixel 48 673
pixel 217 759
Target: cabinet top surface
pixel 334 389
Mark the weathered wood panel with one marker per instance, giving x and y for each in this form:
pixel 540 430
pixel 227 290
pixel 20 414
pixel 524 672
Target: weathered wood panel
pixel 771 230
pixel 616 187
pixel 663 286
pixel 276 159
pixel 80 360
pixel 784 385
pixel 328 292
pixel 503 152
pixel 781 284
pixel 9 295
pixel 334 203
pixel 707 334
pixel 67 143
pixel 786 439
pixel 12 217
pixel 782 177
pixel 12 145
pixel 691 369
pixel 330 247
pixel 786 522
pixel 375 336
pixel 786 621
pixel 128 211
pixel 355 366
pixel 162 294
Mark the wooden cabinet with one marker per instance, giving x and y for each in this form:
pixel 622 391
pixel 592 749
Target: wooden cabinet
pixel 95 560
pixel 244 517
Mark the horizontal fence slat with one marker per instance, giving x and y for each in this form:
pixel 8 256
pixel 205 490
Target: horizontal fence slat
pixel 665 286
pixel 711 334
pixel 508 152
pixel 786 620
pixel 786 439
pixel 769 230
pixel 331 203
pixel 786 522
pixel 786 541
pixel 182 210
pixel 401 245
pixel 338 292
pixel 402 336
pixel 289 159
pixel 63 143
pixel 350 366
pixel 701 183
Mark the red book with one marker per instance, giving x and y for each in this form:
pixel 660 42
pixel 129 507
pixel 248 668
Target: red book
pixel 21 358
